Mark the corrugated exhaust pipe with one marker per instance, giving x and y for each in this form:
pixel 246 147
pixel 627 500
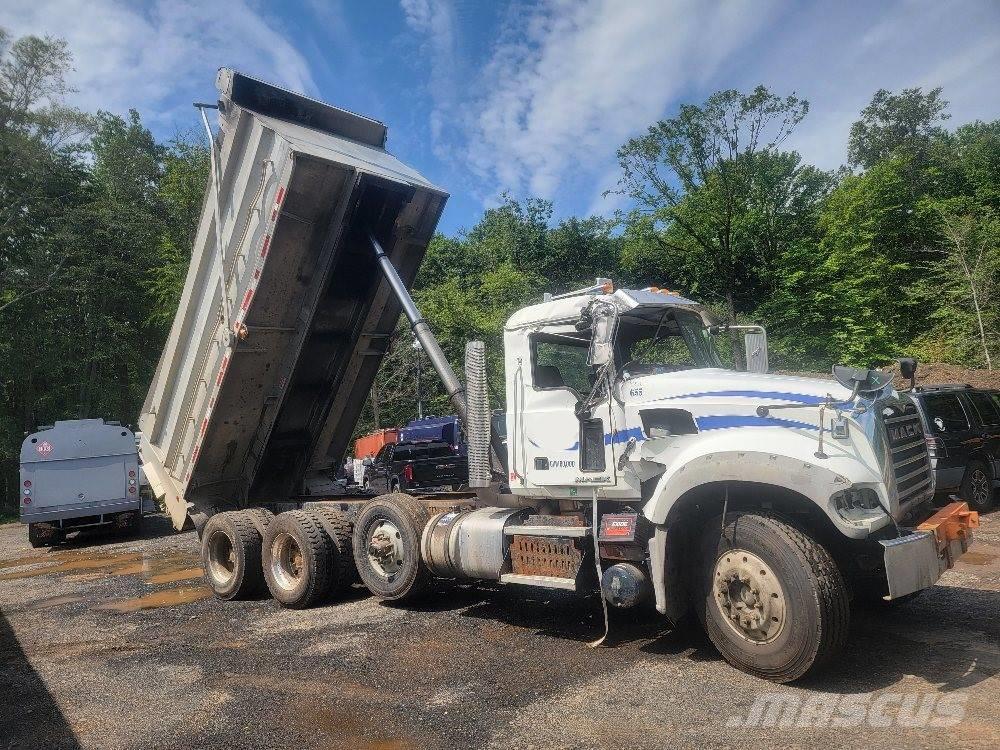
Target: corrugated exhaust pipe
pixel 477 427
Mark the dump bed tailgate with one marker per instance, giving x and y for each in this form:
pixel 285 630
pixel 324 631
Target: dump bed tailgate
pixel 273 351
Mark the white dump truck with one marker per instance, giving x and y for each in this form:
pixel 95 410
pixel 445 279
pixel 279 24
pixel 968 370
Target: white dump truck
pixel 627 461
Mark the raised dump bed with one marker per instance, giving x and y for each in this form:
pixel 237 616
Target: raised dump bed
pixel 274 348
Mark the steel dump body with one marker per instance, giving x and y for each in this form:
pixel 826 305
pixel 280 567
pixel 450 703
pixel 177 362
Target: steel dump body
pixel 238 413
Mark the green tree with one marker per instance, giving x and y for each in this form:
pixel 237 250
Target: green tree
pixel 704 183
pixel 907 123
pixel 181 192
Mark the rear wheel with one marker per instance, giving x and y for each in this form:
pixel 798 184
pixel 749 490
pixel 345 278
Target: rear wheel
pixel 230 555
pixel 977 487
pixel 43 535
pixel 387 547
pixel 338 529
pixel 771 598
pixel 298 559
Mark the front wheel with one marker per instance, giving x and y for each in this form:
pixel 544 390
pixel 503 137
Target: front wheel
pixel 771 598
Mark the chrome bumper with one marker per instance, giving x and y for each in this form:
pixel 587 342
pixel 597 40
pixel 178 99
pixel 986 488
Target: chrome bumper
pixel 916 561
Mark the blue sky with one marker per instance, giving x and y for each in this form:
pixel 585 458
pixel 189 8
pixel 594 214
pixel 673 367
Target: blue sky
pixel 531 98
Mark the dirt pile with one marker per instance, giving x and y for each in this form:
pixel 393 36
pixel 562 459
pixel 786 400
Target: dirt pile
pixel 928 373
pixel 939 373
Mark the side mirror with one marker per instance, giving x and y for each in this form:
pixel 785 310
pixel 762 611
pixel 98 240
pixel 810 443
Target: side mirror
pixel 908 369
pixel 755 345
pixel 602 341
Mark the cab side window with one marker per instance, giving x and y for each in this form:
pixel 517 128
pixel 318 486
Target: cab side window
pixel 987 408
pixel 560 362
pixel 946 413
pixel 383 454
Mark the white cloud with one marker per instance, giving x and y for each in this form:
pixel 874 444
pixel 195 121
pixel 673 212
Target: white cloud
pixel 838 58
pixel 435 20
pixel 565 83
pixel 568 82
pixel 162 57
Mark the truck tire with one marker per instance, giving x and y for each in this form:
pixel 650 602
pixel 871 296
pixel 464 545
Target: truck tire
pixel 298 559
pixel 260 517
pixel 977 486
pixel 338 528
pixel 771 598
pixel 387 547
pixel 43 535
pixel 230 556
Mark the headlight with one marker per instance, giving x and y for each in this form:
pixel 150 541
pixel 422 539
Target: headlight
pixel 857 504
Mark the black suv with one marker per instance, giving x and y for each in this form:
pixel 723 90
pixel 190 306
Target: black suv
pixel 962 427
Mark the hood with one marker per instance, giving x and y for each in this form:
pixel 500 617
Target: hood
pixel 716 384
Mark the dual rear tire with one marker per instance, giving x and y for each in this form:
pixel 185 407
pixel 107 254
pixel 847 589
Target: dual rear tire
pixel 301 557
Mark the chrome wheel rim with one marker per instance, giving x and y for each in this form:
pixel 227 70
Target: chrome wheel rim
pixel 980 487
pixel 221 558
pixel 286 561
pixel 749 596
pixel 385 548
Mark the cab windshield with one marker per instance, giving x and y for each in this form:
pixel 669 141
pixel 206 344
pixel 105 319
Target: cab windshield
pixel 666 340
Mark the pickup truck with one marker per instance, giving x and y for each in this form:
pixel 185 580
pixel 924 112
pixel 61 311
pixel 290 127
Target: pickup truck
pixel 401 467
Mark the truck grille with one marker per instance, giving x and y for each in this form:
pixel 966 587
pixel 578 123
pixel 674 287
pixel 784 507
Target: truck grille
pixel 911 465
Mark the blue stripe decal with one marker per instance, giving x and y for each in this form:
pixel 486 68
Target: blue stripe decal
pixel 726 421
pixel 801 398
pixel 714 422
pixel 620 436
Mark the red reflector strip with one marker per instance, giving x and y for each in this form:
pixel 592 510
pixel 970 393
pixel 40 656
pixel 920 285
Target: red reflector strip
pixel 264 247
pixel 277 202
pixel 246 299
pixel 204 425
pixel 194 455
pixel 222 370
pixel 256 273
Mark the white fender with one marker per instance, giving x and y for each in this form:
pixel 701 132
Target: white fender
pixel 791 465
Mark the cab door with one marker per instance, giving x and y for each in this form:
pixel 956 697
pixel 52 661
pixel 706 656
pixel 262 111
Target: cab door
pixel 558 448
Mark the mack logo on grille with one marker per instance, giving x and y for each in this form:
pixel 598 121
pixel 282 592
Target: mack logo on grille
pixel 897 434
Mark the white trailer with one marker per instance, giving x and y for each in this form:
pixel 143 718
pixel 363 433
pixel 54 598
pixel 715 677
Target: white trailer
pixel 627 462
pixel 79 473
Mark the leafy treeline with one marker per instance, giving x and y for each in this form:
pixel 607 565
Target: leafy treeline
pixel 895 253
pixel 96 223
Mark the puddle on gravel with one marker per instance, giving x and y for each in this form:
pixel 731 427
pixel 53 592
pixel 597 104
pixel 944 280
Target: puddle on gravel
pixel 55 601
pixel 154 569
pixel 157 599
pixel 184 574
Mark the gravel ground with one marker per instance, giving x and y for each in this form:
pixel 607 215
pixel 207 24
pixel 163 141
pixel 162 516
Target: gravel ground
pixel 117 644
